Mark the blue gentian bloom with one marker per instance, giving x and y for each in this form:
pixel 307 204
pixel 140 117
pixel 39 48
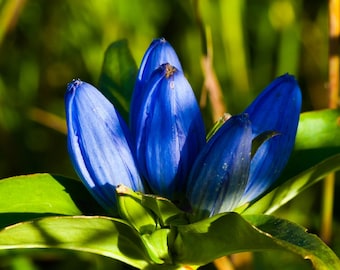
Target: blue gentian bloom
pixel 169 131
pixel 165 147
pixel 159 52
pixel 277 109
pixel 220 173
pixel 99 144
pixel 224 176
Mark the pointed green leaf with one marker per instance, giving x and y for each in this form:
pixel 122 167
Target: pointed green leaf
pixel 118 76
pixel 296 239
pixel 294 186
pixel 95 234
pixel 229 233
pixel 36 195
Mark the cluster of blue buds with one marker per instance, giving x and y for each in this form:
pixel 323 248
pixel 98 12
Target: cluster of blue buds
pixel 164 149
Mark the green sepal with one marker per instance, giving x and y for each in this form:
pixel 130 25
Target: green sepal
pixel 130 208
pixel 167 212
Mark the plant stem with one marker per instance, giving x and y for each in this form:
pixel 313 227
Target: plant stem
pixel 333 77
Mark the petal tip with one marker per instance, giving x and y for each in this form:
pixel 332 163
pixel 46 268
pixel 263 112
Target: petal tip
pixel 74 84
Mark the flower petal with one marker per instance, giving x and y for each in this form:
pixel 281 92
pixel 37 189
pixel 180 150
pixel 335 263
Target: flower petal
pixel 276 109
pixel 99 143
pixel 170 131
pixel 220 173
pixel 158 53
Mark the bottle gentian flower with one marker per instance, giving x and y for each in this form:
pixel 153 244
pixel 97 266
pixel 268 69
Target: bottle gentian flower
pixel 225 175
pixel 99 144
pixel 169 131
pixel 165 149
pixel 220 173
pixel 159 52
pixel 276 109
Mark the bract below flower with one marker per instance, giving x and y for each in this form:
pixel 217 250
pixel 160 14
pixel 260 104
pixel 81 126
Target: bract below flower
pixel 99 143
pixel 220 172
pixel 170 131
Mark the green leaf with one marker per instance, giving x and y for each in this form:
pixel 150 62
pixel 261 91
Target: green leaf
pixel 95 234
pixel 318 138
pixel 294 186
pixel 296 239
pixel 229 233
pixel 26 197
pixel 118 76
pixel 318 129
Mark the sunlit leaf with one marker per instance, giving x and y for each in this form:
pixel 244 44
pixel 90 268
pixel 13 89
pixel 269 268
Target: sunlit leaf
pixel 317 139
pixel 228 233
pixel 37 195
pixel 95 234
pixel 118 76
pixel 294 186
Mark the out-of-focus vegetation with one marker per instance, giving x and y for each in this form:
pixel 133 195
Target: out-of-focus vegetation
pixel 45 44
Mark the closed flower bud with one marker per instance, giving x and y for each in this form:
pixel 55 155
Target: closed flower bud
pixel 170 131
pixel 99 144
pixel 220 173
pixel 159 52
pixel 276 109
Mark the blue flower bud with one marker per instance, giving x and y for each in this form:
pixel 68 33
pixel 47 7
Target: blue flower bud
pixel 169 131
pixel 220 173
pixel 276 109
pixel 159 52
pixel 99 144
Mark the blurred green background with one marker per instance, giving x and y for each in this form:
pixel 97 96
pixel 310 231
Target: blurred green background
pixel 45 44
